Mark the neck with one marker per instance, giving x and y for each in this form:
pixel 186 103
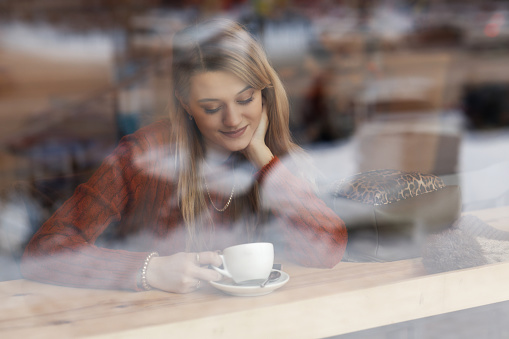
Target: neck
pixel 218 172
pixel 216 157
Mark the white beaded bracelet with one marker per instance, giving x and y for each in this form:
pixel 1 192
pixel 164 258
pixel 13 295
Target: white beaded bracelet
pixel 144 283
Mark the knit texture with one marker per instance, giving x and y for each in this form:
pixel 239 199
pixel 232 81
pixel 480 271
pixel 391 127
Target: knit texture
pixel 101 236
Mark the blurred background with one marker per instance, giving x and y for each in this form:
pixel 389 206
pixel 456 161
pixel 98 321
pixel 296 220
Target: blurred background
pixel 411 85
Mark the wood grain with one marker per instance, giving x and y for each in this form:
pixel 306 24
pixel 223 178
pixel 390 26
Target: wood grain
pixel 314 303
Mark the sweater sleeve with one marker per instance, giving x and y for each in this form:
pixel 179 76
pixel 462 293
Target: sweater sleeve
pixel 314 235
pixel 63 251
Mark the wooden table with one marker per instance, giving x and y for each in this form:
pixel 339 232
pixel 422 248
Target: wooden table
pixel 314 303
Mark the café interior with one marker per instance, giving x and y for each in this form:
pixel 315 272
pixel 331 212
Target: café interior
pixel 402 84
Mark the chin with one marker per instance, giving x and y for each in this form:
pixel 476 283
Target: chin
pixel 237 146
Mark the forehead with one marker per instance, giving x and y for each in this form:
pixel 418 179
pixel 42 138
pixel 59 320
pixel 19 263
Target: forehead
pixel 215 85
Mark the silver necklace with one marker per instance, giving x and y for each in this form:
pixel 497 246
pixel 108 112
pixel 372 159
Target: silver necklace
pixel 229 199
pixel 227 203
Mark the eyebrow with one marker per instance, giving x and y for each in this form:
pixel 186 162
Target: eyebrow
pixel 243 90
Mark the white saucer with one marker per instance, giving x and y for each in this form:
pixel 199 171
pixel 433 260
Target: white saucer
pixel 229 287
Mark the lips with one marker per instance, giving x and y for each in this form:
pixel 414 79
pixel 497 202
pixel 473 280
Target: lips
pixel 236 133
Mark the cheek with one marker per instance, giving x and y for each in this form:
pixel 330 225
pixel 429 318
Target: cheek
pixel 206 126
pixel 256 112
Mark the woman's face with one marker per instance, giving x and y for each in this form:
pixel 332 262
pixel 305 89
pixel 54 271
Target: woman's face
pixel 226 110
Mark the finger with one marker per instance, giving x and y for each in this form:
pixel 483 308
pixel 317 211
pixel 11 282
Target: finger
pixel 208 258
pixel 207 274
pixel 265 119
pixel 191 285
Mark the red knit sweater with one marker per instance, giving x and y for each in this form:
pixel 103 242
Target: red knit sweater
pixel 132 197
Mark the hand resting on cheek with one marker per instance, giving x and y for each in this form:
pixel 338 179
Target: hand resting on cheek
pixel 257 151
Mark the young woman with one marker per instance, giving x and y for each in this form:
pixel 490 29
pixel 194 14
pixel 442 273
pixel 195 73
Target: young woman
pixel 221 171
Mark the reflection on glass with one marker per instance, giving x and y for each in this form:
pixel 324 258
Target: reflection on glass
pixel 413 86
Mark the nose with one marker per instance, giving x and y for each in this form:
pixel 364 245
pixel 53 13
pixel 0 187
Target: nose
pixel 232 116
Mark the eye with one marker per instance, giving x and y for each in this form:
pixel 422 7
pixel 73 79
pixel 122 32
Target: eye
pixel 211 110
pixel 245 102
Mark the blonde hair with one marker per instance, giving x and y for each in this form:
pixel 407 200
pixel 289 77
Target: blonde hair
pixel 219 45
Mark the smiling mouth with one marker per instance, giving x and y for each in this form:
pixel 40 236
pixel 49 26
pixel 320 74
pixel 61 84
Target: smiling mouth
pixel 235 134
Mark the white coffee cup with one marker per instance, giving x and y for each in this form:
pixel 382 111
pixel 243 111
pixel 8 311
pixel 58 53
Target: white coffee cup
pixel 247 263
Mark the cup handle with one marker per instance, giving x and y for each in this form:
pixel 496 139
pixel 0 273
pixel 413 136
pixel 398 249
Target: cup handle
pixel 220 270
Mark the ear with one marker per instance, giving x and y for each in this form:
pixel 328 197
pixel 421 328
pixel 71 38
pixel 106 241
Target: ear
pixel 182 102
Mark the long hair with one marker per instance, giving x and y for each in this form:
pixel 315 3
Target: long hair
pixel 219 45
